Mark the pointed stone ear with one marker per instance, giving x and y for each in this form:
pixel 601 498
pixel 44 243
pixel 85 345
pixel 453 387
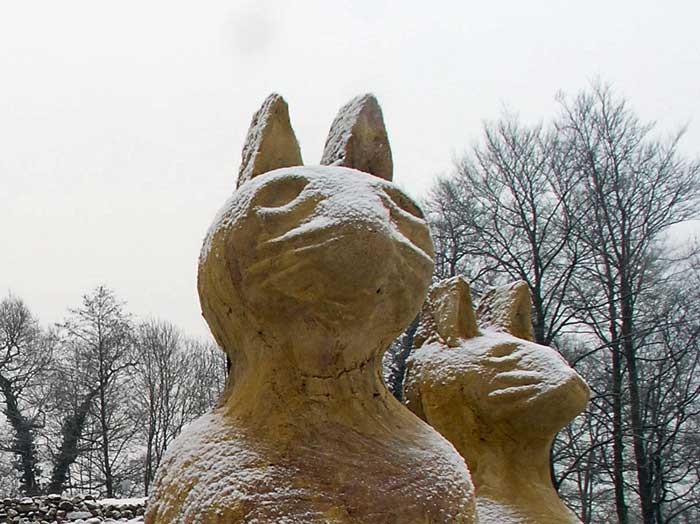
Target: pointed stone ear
pixel 507 308
pixel 358 139
pixel 271 142
pixel 447 314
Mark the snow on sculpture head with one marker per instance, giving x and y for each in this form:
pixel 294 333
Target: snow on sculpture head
pixel 322 266
pixel 478 379
pixel 305 276
pixel 498 381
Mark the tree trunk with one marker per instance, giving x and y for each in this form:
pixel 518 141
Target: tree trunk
pixel 104 435
pixel 23 444
pixel 71 430
pixel 618 446
pixel 640 455
pixel 150 443
pixel 406 346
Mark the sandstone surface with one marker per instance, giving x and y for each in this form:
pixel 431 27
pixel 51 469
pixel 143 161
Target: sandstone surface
pixel 305 277
pixel 271 142
pixel 358 139
pixel 507 308
pixel 498 398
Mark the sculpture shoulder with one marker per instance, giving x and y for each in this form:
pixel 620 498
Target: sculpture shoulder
pixel 195 476
pixel 497 512
pixel 334 475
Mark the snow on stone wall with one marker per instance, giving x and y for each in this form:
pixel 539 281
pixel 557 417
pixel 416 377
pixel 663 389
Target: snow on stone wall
pixel 55 509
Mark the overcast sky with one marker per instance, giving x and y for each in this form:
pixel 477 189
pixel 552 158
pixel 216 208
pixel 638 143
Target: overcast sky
pixel 121 123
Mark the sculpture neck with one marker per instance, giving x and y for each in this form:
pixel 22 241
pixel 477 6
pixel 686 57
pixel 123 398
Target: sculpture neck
pixel 516 473
pixel 285 392
pixel 508 464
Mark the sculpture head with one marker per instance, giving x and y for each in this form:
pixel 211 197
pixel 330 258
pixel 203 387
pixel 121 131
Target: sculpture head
pixel 509 385
pixel 316 268
pixel 519 387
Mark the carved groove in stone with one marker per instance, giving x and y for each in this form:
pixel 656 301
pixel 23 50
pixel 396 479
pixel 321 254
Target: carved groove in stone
pixel 305 276
pixel 500 400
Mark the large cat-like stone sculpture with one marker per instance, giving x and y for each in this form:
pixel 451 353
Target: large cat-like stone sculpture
pixel 478 378
pixel 306 275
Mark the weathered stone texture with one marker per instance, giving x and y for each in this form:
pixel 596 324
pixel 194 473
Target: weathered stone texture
pixel 499 398
pixel 271 142
pixel 358 139
pixel 305 277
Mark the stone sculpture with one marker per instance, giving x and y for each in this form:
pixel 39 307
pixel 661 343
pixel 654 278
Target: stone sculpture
pixel 496 395
pixel 306 275
pixel 358 139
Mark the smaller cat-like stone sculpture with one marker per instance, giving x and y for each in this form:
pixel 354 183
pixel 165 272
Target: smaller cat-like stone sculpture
pixel 306 276
pixel 496 395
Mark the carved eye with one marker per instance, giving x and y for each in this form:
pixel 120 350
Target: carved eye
pixel 280 192
pixel 502 350
pixel 503 357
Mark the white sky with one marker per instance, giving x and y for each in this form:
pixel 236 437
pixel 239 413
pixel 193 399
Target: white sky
pixel 121 123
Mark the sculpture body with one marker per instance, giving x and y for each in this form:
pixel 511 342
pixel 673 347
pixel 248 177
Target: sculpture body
pixel 306 275
pixel 500 399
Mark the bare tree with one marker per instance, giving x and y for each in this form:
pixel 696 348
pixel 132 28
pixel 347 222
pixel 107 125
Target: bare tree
pixel 669 364
pixel 176 380
pixel 98 342
pixel 208 373
pixel 158 374
pixel 71 402
pixel 635 187
pixel 85 395
pixel 25 354
pixel 580 211
pixel 394 360
pixel 508 211
pixel 449 208
pixel 582 453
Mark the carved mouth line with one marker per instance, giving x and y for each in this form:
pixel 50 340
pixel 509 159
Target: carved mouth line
pixel 311 247
pixel 515 392
pixel 298 246
pixel 291 268
pixel 314 227
pixel 516 378
pixel 277 275
pixel 279 242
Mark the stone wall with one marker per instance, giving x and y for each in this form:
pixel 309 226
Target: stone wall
pixel 55 509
